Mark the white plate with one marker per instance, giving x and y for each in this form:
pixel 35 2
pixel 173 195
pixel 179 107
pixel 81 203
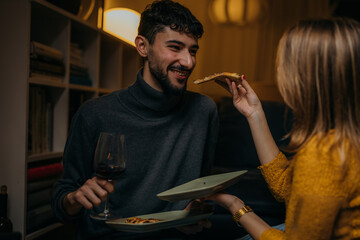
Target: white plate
pixel 169 220
pixel 201 187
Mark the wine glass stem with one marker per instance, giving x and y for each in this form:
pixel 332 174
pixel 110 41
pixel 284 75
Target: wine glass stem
pixel 106 208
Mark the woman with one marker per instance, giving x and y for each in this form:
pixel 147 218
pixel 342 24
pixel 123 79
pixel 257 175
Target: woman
pixel 318 75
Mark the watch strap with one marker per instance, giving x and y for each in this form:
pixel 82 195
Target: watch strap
pixel 240 213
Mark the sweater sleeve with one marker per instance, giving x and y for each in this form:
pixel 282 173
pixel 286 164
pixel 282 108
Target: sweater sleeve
pixel 317 195
pixel 313 218
pixel 277 174
pixel 77 161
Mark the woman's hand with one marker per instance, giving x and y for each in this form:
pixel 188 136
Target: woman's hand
pixel 245 99
pixel 227 201
pixel 252 223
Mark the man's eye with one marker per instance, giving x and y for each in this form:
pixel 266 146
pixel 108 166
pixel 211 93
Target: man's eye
pixel 193 52
pixel 175 47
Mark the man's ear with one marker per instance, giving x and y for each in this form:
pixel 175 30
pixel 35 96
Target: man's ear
pixel 142 44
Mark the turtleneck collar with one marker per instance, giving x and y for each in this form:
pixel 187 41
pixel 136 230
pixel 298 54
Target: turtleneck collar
pixel 150 101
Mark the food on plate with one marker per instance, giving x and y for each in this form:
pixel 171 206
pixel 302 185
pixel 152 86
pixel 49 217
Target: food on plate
pixel 220 77
pixel 137 220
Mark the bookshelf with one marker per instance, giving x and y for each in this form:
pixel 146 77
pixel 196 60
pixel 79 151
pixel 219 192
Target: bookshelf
pixel 39 104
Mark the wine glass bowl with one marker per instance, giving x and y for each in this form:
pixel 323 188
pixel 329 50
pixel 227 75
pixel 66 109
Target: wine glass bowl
pixel 109 163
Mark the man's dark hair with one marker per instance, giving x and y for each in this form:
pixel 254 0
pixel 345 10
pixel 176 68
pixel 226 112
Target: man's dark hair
pixel 166 13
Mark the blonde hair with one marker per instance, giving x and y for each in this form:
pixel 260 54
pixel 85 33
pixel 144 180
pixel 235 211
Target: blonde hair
pixel 318 75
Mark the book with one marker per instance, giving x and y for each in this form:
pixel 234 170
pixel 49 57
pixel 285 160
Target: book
pixel 40 184
pixel 41 121
pixel 49 119
pixel 76 54
pixel 31 124
pixel 37 48
pixel 78 69
pixel 39 217
pixel 39 198
pixel 77 65
pixel 81 80
pixel 39 98
pixel 47 67
pixel 41 172
pixel 76 51
pixel 46 59
pixel 45 76
pixel 75 72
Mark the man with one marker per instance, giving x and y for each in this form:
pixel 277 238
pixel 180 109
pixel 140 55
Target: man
pixel 170 132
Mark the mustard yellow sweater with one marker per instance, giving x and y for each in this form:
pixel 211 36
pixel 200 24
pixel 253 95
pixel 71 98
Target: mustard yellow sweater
pixel 322 200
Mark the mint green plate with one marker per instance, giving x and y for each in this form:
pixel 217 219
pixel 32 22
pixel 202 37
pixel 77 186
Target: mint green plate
pixel 201 187
pixel 169 220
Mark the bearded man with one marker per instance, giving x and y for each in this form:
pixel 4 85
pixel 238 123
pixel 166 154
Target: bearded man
pixel 170 132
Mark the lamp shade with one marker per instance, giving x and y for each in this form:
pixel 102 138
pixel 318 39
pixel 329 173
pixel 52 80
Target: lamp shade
pixel 239 12
pixel 122 23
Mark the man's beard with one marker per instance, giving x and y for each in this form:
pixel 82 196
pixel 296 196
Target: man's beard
pixel 165 82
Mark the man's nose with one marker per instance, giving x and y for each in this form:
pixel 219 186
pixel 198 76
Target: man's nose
pixel 186 60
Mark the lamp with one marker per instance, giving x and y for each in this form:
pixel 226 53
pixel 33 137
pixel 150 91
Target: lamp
pixel 122 23
pixel 238 12
pixel 122 18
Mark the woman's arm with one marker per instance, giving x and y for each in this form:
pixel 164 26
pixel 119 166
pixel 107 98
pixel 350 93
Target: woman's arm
pixel 252 223
pixel 246 102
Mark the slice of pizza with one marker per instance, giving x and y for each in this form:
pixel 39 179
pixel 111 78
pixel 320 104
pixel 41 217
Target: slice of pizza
pixel 220 77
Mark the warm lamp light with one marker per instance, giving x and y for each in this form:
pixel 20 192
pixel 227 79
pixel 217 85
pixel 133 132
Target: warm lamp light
pixel 122 23
pixel 239 12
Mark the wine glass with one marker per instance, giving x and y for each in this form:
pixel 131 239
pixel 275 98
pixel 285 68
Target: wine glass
pixel 109 163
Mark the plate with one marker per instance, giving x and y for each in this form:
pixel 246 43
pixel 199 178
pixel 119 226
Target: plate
pixel 201 187
pixel 169 220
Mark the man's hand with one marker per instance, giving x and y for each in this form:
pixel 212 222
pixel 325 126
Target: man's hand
pixel 91 194
pixel 197 205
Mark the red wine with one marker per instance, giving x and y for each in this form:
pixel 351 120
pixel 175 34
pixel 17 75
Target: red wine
pixel 109 172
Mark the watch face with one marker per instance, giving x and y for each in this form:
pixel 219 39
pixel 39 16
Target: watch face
pixel 241 212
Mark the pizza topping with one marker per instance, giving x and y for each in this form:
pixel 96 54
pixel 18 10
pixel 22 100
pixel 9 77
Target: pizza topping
pixel 137 220
pixel 220 77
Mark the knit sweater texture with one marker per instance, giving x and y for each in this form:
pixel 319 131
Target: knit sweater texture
pixel 170 140
pixel 321 194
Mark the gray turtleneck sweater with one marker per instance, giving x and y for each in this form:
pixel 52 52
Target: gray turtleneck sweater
pixel 170 140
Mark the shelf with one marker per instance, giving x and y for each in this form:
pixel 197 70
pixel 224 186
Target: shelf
pixel 48 78
pixel 42 231
pixel 44 156
pixel 82 88
pixel 53 8
pixel 37 81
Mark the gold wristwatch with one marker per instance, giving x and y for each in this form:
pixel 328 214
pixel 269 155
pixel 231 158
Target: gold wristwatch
pixel 240 213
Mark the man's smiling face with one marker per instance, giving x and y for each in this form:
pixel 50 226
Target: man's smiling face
pixel 171 59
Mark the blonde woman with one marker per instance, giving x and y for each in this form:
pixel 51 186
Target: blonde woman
pixel 318 74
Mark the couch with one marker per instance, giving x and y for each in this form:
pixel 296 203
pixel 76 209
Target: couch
pixel 236 151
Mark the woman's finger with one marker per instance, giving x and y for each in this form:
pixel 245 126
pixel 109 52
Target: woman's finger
pixel 235 91
pixel 246 86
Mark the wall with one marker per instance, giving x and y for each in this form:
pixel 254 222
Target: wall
pixel 248 50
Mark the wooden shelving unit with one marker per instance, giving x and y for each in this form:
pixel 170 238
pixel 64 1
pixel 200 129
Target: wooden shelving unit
pixel 111 63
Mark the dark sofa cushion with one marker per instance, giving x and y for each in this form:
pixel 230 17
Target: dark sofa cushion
pixel 236 151
pixel 235 148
